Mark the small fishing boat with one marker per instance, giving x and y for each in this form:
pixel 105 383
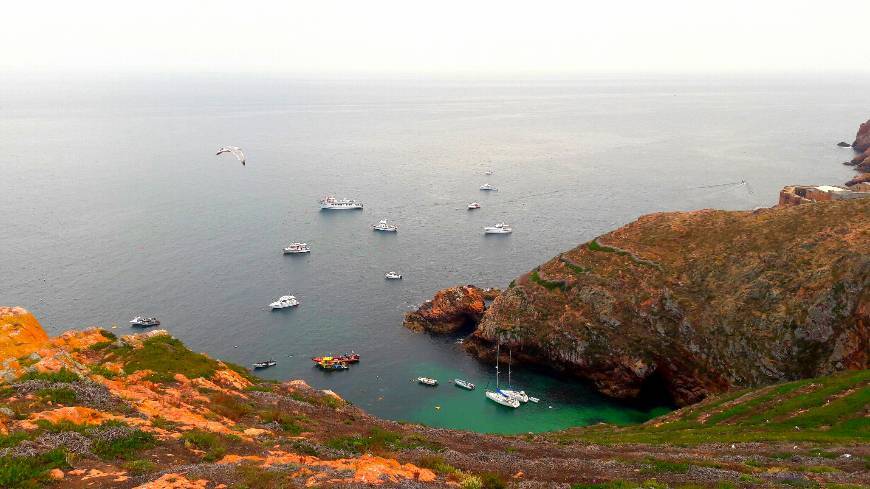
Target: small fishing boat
pixel 351 357
pixel 464 384
pixel 331 363
pixel 284 301
pixel 534 399
pixel 488 187
pixel 427 381
pixel 385 226
pixel 144 322
pixel 393 276
pixel 488 172
pixel 296 248
pixel 474 205
pixel 266 364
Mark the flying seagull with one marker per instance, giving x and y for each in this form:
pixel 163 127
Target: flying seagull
pixel 235 150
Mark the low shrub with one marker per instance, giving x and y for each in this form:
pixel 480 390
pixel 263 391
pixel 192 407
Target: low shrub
pixel 213 446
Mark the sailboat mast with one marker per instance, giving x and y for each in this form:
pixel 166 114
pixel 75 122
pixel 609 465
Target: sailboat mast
pixel 497 351
pixel 510 362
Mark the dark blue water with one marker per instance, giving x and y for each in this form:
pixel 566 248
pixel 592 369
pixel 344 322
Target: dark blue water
pixel 113 204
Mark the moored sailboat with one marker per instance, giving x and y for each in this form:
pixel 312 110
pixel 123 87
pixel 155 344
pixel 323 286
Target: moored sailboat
pixel 497 396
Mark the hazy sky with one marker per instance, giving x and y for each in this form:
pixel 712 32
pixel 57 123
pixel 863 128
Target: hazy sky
pixel 441 37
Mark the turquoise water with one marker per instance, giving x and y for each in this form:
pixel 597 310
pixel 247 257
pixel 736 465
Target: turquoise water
pixel 561 405
pixel 115 205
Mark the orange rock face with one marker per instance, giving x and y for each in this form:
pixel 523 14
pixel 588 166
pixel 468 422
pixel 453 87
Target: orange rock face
pixel 20 333
pixel 366 469
pixel 450 310
pixel 174 481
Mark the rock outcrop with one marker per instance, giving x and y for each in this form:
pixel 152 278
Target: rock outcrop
pixel 861 145
pixel 20 333
pixel 697 302
pixel 451 310
pixel 862 139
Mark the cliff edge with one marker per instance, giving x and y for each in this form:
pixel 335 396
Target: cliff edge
pixel 697 303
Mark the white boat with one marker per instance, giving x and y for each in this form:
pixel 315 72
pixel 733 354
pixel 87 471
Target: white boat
pixel 500 228
pixel 474 205
pixel 464 384
pixel 534 399
pixel 284 301
pixel 393 276
pixel 385 226
pixel 488 172
pixel 144 322
pixel 331 203
pixel 294 248
pixel 266 364
pixel 502 399
pixel 487 186
pixel 518 395
pixel 513 394
pixel 427 381
pixel 496 395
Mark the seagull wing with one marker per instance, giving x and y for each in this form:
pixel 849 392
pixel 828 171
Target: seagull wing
pixel 235 150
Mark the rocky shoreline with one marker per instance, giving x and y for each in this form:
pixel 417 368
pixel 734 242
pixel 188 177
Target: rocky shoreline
pixel 861 161
pixel 692 303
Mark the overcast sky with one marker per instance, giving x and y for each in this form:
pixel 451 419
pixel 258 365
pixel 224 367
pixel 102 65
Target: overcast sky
pixel 476 37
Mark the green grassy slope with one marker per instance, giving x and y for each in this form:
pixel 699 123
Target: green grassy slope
pixel 831 409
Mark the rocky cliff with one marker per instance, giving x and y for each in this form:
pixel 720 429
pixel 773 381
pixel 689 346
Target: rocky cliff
pixel 861 145
pixel 697 302
pixel 90 410
pixel 451 310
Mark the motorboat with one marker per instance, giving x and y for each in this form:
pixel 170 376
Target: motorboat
pixel 487 186
pixel 294 248
pixel 393 276
pixel 427 381
pixel 497 396
pixel 266 364
pixel 464 384
pixel 331 203
pixel 500 228
pixel 284 301
pixel 534 399
pixel 144 322
pixel 518 395
pixel 385 226
pixel 474 205
pixel 488 172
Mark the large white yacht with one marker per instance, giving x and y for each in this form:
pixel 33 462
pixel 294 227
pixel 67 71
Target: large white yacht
pixel 294 248
pixel 385 226
pixel 284 301
pixel 331 203
pixel 500 228
pixel 487 186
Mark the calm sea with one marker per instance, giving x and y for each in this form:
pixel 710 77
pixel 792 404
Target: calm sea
pixel 113 204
